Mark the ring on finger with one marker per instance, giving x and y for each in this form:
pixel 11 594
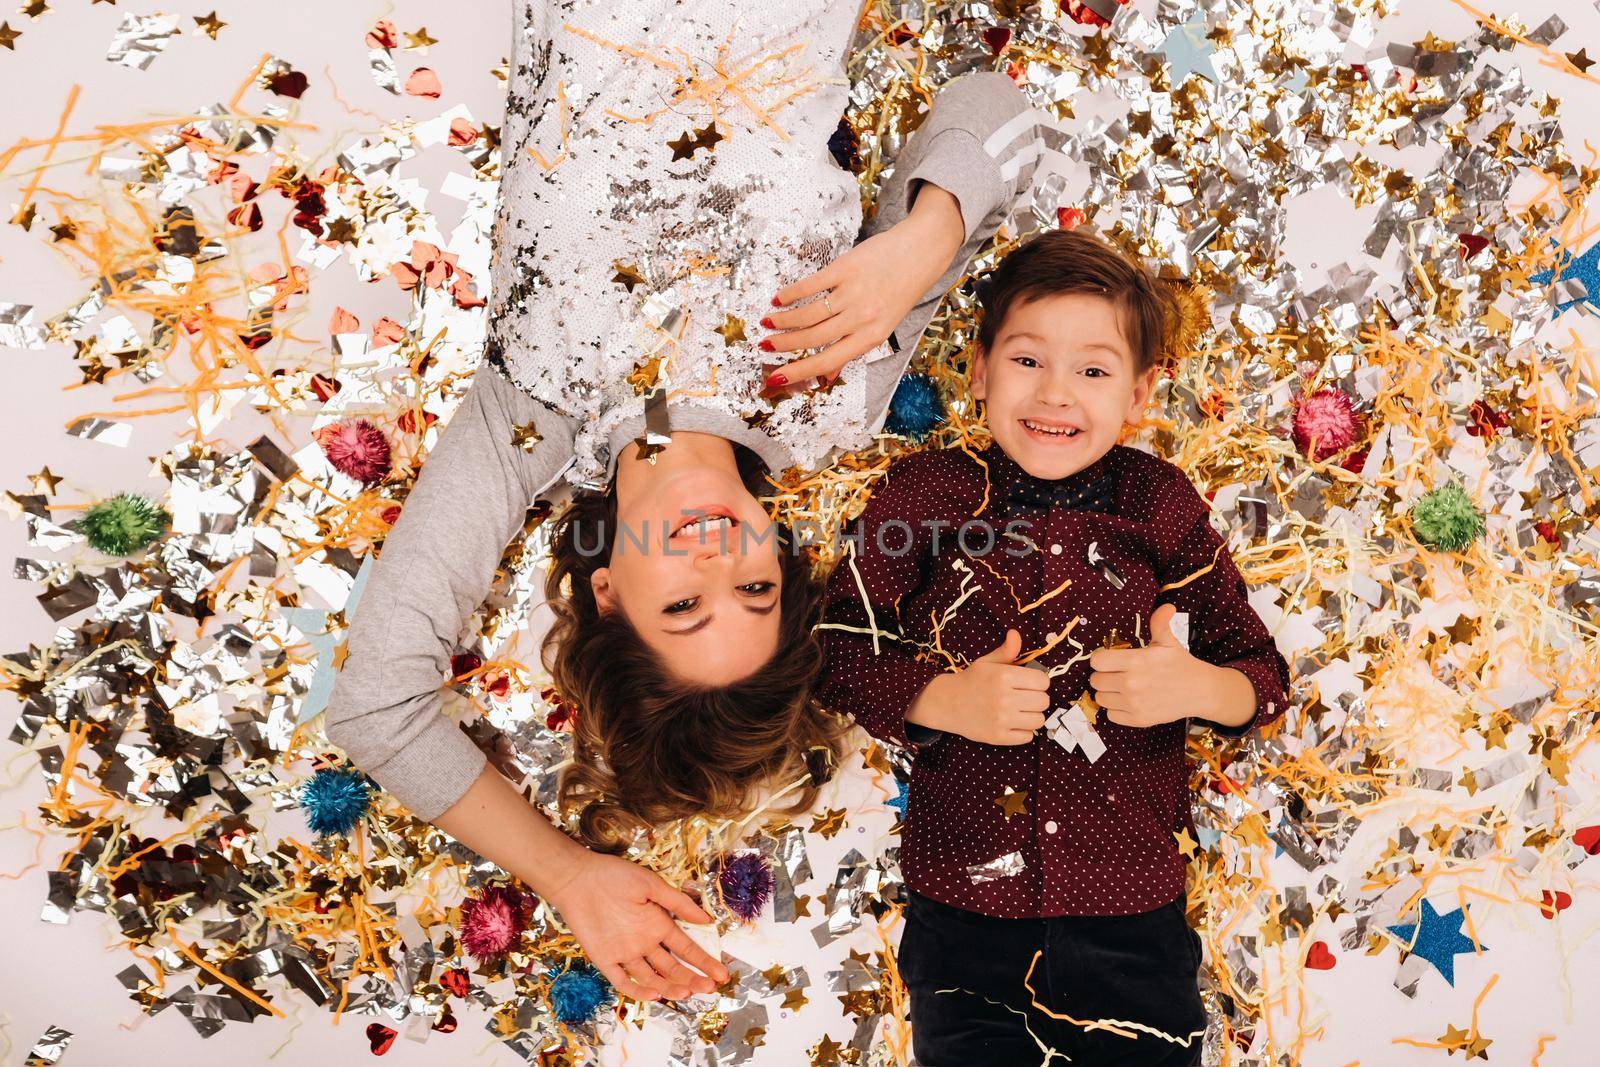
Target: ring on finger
pixel 827 304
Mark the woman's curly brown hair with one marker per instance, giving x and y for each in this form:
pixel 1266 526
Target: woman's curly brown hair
pixel 649 747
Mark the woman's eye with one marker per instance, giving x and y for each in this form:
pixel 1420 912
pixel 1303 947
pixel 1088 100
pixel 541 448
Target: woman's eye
pixel 757 588
pixel 681 606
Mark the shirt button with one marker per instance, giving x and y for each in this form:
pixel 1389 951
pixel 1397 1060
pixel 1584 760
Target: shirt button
pixel 1050 827
pixel 1055 550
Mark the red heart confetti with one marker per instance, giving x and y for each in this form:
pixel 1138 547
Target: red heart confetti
pixel 456 981
pixel 447 1021
pixel 423 82
pixel 380 1037
pixel 1551 903
pixel 1588 839
pixel 324 386
pixel 998 38
pixel 1319 958
pixel 288 83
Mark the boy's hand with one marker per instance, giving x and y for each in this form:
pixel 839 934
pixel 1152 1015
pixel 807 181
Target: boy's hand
pixel 1161 682
pixel 992 701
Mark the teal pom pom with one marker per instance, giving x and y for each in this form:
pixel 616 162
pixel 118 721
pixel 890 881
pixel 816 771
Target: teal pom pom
pixel 122 525
pixel 578 992
pixel 916 408
pixel 1446 519
pixel 334 801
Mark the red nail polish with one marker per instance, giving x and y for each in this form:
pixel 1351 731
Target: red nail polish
pixel 767 324
pixel 777 381
pixel 777 303
pixel 765 345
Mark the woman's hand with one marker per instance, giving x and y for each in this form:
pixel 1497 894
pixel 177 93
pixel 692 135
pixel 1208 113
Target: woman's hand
pixel 622 915
pixel 865 292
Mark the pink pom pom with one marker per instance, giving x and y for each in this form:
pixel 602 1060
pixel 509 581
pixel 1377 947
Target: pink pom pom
pixel 1326 421
pixel 492 924
pixel 356 448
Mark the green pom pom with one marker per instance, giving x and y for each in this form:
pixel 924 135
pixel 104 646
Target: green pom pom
pixel 1445 518
pixel 123 525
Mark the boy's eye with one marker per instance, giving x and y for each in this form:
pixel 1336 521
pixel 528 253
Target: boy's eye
pixel 1026 361
pixel 756 588
pixel 1095 370
pixel 680 606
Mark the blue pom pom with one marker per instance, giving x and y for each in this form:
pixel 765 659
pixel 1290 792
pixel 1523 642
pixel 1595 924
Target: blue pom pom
pixel 334 801
pixel 578 992
pixel 916 408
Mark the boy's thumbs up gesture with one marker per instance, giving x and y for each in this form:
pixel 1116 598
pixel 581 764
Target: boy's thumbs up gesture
pixel 993 700
pixel 1161 682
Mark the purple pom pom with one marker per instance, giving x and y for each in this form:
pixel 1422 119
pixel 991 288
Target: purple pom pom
pixel 746 883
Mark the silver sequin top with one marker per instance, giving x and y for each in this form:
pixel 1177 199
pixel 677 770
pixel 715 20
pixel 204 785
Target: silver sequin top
pixel 667 171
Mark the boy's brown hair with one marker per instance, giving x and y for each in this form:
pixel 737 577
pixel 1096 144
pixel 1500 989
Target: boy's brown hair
pixel 1072 261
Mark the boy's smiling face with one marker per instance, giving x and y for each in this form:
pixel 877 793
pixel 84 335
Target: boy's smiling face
pixel 1060 382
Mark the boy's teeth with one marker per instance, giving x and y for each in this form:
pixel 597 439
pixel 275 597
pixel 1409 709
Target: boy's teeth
pixel 1041 429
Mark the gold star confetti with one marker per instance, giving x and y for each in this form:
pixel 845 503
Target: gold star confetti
pixel 708 137
pixel 1186 844
pixel 795 999
pixel 45 482
pixel 1478 1048
pixel 1089 706
pixel 643 376
pixel 1581 60
pixel 419 41
pixel 34 8
pixel 756 1036
pixel 627 276
pixel 525 436
pixel 825 1053
pixel 775 975
pixel 649 448
pixel 710 1026
pixel 829 822
pixel 1455 1037
pixel 65 230
pixel 732 330
pixel 341 231
pixel 683 146
pixel 8 36
pixel 802 906
pixel 1013 802
pixel 210 25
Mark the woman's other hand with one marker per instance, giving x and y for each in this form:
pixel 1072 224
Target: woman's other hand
pixel 864 294
pixel 622 915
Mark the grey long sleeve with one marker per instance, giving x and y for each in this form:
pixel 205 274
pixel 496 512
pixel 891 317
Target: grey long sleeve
pixel 435 569
pixel 980 142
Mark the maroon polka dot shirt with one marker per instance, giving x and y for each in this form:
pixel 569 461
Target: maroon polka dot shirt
pixel 1091 838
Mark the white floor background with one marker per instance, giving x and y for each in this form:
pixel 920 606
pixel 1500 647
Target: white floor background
pixel 53 975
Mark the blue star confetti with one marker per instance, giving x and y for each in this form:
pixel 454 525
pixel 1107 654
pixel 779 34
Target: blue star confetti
pixel 898 801
pixel 1584 269
pixel 1188 52
pixel 1438 940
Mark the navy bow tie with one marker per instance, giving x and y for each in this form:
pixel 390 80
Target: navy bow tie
pixel 1036 494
